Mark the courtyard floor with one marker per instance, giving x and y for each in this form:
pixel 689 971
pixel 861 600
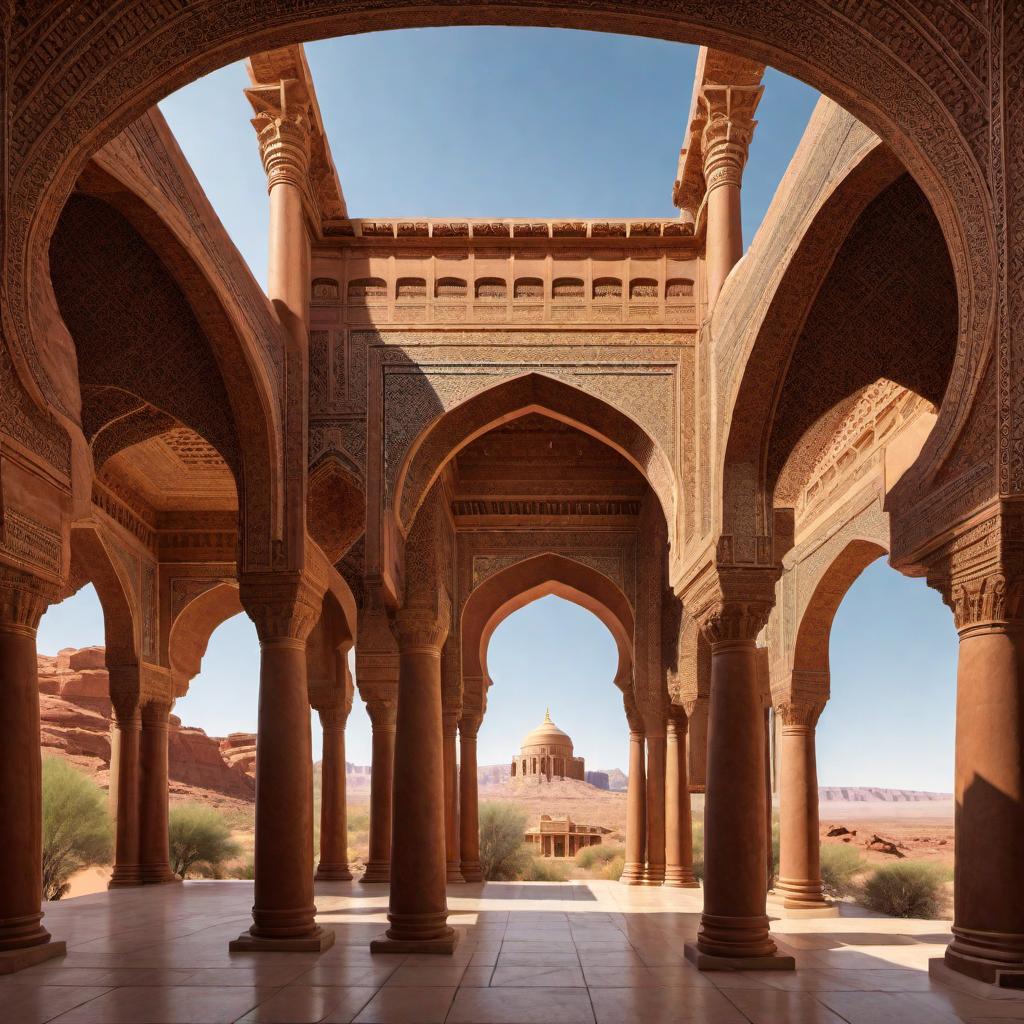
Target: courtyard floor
pixel 574 953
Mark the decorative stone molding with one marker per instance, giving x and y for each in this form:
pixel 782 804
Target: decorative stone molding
pixel 420 630
pixel 469 724
pixel 799 714
pixel 728 129
pixel 284 146
pixel 283 606
pixel 23 600
pixel 984 600
pixel 383 712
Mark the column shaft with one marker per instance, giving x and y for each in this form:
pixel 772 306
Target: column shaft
pixel 654 872
pixel 453 869
pixel 333 866
pixel 153 794
pixel 127 862
pixel 469 816
pixel 382 718
pixel 636 816
pixel 678 818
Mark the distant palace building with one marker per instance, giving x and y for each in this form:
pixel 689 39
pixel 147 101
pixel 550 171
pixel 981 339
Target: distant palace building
pixel 562 837
pixel 546 753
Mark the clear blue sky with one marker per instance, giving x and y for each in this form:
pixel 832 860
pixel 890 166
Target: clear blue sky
pixel 535 122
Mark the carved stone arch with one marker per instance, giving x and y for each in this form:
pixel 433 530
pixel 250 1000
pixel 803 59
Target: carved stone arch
pixel 452 430
pixel 329 680
pixel 335 507
pixel 191 629
pixel 94 561
pixel 852 249
pixel 516 586
pixel 216 373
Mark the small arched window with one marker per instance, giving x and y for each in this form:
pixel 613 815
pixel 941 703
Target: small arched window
pixel 567 288
pixel 528 288
pixel 678 288
pixel 450 288
pixel 325 289
pixel 367 288
pixel 411 288
pixel 491 288
pixel 643 288
pixel 607 288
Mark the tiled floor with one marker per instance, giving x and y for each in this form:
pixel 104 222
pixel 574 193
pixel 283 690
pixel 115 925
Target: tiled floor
pixel 579 953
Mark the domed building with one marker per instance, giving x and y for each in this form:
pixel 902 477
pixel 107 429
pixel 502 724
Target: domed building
pixel 546 753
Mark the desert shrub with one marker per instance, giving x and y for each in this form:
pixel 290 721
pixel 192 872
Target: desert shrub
pixel 594 856
pixel 839 865
pixel 246 870
pixel 543 869
pixel 199 840
pixel 77 831
pixel 613 868
pixel 698 850
pixel 359 821
pixel 502 825
pixel 907 889
pixel 776 848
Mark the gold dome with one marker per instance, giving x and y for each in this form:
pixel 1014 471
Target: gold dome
pixel 547 734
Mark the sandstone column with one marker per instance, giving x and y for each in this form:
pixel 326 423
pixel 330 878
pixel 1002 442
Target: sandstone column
pixel 678 817
pixel 734 926
pixel 333 866
pixel 726 138
pixel 988 913
pixel 284 607
pixel 382 714
pixel 127 735
pixel 453 871
pixel 418 907
pixel 23 939
pixel 636 811
pixel 469 817
pixel 654 872
pixel 153 792
pixel 799 881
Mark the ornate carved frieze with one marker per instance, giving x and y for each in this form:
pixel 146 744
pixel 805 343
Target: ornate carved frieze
pixel 28 540
pixel 283 606
pixel 23 599
pixel 797 714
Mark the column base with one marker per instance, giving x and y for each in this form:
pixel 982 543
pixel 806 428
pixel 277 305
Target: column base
pixel 471 871
pixel 318 941
pixel 941 971
pixel 710 962
pixel 680 878
pixel 655 877
pixel 377 871
pixel 161 875
pixel 632 874
pixel 12 960
pixel 789 907
pixel 126 877
pixel 736 938
pixel 453 875
pixel 1004 972
pixel 332 873
pixel 442 945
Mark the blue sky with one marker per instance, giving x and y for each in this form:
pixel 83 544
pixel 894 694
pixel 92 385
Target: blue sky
pixel 544 123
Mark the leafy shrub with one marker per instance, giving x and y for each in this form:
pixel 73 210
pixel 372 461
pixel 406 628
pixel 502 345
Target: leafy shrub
pixel 502 826
pixel 698 850
pixel 77 831
pixel 594 856
pixel 245 871
pixel 613 869
pixel 543 869
pixel 907 889
pixel 199 840
pixel 839 865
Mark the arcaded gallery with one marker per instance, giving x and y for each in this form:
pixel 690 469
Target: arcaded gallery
pixel 421 425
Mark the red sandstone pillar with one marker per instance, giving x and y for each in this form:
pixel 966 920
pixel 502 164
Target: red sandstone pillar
pixel 333 866
pixel 127 737
pixel 734 926
pixel 153 792
pixel 453 870
pixel 636 816
pixel 23 939
pixel 678 818
pixel 284 610
pixel 382 719
pixel 418 907
pixel 654 872
pixel 726 138
pixel 988 913
pixel 799 881
pixel 469 814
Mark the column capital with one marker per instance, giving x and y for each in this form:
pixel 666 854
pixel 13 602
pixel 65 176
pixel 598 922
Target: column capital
pixel 420 630
pixel 333 717
pixel 383 712
pixel 728 128
pixel 284 130
pixel 283 606
pixel 799 714
pixel 469 724
pixel 23 600
pixel 155 713
pixel 732 605
pixel 984 600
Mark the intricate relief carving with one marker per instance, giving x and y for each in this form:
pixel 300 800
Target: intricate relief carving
pixel 283 606
pixel 23 600
pixel 31 541
pixel 799 714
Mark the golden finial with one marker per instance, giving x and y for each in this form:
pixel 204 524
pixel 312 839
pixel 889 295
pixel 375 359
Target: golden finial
pixel 547 716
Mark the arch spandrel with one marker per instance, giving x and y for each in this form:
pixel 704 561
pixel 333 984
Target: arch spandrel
pixel 528 580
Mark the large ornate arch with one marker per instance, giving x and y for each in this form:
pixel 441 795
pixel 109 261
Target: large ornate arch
pixel 452 430
pixel 523 582
pixel 190 632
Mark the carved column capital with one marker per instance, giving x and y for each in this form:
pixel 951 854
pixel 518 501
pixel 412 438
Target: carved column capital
pixel 732 605
pixel 23 600
pixel 678 720
pixel 334 717
pixel 125 683
pixel 284 130
pixel 469 724
pixel 284 606
pixel 420 630
pixel 155 714
pixel 383 712
pixel 986 600
pixel 728 128
pixel 799 714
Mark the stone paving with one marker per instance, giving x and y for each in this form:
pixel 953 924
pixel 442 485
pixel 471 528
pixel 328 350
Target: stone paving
pixel 576 953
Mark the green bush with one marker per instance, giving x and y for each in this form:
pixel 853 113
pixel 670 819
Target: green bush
pixel 245 871
pixel 502 827
pixel 593 856
pixel 907 889
pixel 698 850
pixel 543 869
pixel 840 864
pixel 199 840
pixel 613 869
pixel 77 831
